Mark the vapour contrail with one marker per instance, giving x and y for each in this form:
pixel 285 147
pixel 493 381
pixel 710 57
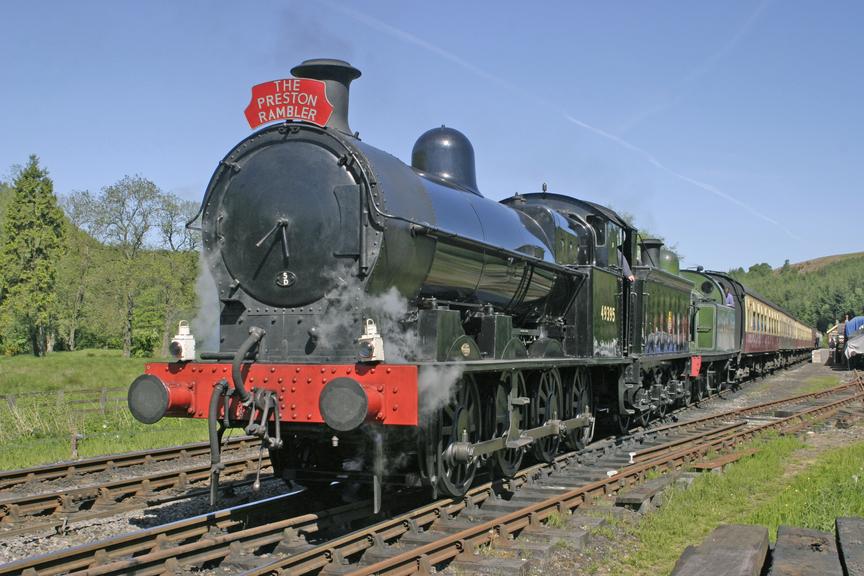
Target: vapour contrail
pixel 688 84
pixel 651 159
pixel 409 38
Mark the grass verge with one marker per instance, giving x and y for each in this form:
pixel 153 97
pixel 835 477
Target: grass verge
pixel 38 429
pixel 752 491
pixel 687 516
pixel 819 383
pixel 68 371
pixel 833 486
pixel 103 439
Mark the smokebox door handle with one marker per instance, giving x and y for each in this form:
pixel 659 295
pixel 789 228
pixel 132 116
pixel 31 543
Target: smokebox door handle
pixel 281 225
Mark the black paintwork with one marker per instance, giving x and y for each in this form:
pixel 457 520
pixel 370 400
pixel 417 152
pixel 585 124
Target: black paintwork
pixel 446 154
pixel 337 75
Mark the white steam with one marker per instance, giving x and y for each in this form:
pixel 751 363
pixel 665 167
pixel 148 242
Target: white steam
pixel 347 305
pixel 340 324
pixel 205 325
pixel 436 385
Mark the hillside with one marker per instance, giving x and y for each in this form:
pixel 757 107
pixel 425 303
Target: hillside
pixel 819 291
pixel 819 263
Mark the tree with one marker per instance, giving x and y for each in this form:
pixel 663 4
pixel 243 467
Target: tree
pixel 123 216
pixel 762 269
pixel 172 217
pixel 32 244
pixel 177 262
pixel 817 293
pixel 76 273
pixel 6 193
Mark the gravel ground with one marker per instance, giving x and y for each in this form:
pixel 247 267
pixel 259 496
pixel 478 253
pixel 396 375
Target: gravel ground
pixel 85 532
pixel 784 384
pixel 37 487
pixel 607 543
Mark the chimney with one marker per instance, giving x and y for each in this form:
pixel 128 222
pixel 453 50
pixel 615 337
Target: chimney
pixel 337 76
pixel 651 252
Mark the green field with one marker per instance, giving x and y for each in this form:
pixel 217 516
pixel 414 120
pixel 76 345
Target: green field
pixel 39 429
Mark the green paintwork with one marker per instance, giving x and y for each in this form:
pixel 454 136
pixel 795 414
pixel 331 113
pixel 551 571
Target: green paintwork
pixel 725 328
pixel 606 313
pixel 715 328
pixel 665 311
pixel 715 322
pixel 706 288
pixel 669 261
pixel 438 330
pixel 705 329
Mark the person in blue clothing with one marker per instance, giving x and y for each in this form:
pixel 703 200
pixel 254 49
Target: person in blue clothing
pixel 730 301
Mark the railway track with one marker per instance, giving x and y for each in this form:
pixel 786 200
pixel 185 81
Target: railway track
pixel 77 469
pixel 29 505
pixel 434 532
pixel 417 542
pixel 56 510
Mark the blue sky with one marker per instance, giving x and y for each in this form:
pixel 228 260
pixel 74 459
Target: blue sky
pixel 731 128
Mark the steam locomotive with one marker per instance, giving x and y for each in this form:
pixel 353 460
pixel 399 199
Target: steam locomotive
pixel 387 323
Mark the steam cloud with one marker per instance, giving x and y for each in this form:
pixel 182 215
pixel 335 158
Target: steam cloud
pixel 348 304
pixel 436 385
pixel 340 325
pixel 205 325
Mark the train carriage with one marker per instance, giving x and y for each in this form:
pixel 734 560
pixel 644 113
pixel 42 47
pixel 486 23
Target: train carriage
pixel 768 336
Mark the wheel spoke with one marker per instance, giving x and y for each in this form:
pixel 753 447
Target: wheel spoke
pixel 506 462
pixel 547 399
pixel 461 414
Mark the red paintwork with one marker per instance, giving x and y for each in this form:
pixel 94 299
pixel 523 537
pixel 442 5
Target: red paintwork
pixel 695 365
pixel 757 342
pixel 289 99
pixel 392 389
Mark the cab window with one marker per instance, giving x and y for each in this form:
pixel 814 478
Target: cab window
pixel 599 226
pixel 614 238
